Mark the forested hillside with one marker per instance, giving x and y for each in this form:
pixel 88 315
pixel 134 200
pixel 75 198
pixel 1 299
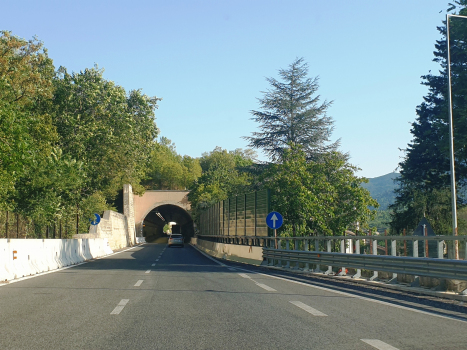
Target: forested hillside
pixel 382 189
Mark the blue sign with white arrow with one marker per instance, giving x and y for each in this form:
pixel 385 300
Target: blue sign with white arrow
pixel 274 220
pixel 98 219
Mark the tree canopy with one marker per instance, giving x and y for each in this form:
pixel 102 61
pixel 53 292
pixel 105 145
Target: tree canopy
pixel 167 170
pixel 291 113
pixel 68 141
pixel 317 197
pixel 221 177
pixel 424 182
pixel 26 133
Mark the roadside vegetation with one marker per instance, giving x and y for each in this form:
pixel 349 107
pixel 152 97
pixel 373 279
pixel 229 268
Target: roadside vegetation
pixel 423 187
pixel 70 140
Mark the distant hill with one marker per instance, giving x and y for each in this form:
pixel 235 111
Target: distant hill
pixel 382 189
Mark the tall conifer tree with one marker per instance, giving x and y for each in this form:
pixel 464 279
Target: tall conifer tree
pixel 424 183
pixel 291 113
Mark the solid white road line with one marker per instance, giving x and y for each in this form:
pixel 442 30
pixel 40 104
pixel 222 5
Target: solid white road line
pixel 120 306
pixel 354 296
pixel 378 344
pixel 209 257
pixel 137 284
pixel 269 289
pixel 232 269
pixel 307 308
pixel 148 271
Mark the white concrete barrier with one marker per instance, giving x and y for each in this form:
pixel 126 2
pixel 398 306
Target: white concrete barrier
pixel 25 257
pixel 240 253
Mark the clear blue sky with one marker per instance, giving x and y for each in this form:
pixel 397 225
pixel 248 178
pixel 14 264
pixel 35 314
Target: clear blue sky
pixel 208 61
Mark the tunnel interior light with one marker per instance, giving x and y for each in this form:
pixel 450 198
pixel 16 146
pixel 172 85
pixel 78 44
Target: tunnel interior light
pixel 160 216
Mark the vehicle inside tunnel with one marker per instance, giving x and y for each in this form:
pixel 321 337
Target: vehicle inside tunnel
pixel 154 222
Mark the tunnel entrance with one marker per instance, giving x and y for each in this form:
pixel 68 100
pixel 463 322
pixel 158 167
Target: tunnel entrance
pixel 157 218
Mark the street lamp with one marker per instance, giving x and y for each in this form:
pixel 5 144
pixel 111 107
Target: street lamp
pixel 451 143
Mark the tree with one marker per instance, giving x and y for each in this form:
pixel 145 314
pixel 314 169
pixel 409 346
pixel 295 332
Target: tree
pixel 292 114
pixel 221 178
pixel 110 131
pixel 26 134
pixel 424 180
pixel 317 197
pixel 167 170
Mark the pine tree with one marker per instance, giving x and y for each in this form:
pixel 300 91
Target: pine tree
pixel 291 113
pixel 425 172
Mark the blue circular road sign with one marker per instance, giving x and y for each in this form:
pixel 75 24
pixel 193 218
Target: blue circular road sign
pixel 98 219
pixel 274 220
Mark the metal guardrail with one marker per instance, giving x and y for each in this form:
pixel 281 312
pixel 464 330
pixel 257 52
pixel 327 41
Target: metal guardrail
pixel 439 268
pixel 301 253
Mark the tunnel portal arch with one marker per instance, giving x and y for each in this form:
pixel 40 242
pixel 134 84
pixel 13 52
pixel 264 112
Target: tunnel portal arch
pixel 170 205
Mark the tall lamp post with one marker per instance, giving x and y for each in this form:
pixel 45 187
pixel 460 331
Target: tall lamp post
pixel 451 143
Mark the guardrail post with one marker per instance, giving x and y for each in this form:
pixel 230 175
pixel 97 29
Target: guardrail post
pixel 305 248
pixel 328 244
pixel 317 269
pixel 440 249
pixel 287 247
pixel 342 273
pixel 375 252
pixel 357 251
pixel 416 281
pixel 296 248
pixel 415 249
pixel 272 245
pixel 279 247
pixel 393 253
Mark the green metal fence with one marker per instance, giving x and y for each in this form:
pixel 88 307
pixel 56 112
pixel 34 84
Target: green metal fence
pixel 241 215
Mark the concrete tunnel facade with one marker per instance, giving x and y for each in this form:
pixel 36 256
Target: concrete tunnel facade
pixel 156 208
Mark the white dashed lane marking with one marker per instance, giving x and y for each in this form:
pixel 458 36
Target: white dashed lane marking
pixel 153 265
pixel 269 289
pixel 120 306
pixel 244 275
pixel 378 344
pixel 137 284
pixel 307 308
pixel 148 271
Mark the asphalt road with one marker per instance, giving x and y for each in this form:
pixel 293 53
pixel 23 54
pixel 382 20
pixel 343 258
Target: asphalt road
pixel 153 297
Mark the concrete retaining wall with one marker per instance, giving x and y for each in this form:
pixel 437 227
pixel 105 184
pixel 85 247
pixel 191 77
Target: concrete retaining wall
pixel 25 257
pixel 113 227
pixel 240 253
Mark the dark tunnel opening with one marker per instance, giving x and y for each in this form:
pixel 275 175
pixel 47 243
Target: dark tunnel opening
pixel 158 217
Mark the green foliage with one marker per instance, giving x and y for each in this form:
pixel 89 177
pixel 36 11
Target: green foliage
pixel 381 220
pixel 68 142
pixel 292 114
pixel 110 131
pixel 435 205
pixel 317 197
pixel 167 170
pixel 221 178
pixel 26 134
pixel 424 183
